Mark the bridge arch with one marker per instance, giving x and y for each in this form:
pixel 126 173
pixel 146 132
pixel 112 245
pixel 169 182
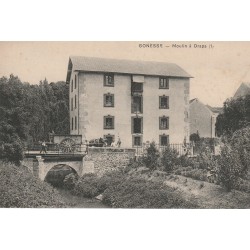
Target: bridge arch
pixel 55 175
pixel 50 166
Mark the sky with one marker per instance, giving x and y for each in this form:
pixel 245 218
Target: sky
pixel 218 68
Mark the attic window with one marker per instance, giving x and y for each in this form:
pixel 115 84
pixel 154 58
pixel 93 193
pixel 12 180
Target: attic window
pixel 109 80
pixel 164 83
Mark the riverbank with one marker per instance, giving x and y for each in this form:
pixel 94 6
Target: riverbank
pixel 73 201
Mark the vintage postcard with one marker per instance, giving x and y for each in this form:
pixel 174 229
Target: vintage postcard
pixel 125 125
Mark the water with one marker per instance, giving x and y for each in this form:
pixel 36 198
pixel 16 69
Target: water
pixel 80 202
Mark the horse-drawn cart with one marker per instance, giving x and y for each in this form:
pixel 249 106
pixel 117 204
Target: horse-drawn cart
pixel 65 143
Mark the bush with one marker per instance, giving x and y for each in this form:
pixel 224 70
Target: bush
pixel 19 188
pixel 206 160
pixel 87 186
pixel 151 159
pixel 185 161
pixel 140 193
pixel 240 142
pixel 112 178
pixel 11 151
pixel 169 159
pixel 197 174
pixel 243 185
pixel 70 181
pixel 230 169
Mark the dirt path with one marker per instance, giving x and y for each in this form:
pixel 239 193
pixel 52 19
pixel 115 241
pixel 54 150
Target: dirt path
pixel 208 195
pixel 79 202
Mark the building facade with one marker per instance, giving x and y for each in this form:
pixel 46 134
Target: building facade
pixel 203 119
pixel 132 100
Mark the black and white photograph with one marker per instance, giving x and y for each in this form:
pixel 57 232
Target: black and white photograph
pixel 125 125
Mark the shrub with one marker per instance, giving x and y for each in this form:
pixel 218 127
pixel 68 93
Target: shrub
pixel 240 142
pixel 19 188
pixel 185 161
pixel 140 193
pixel 169 159
pixel 112 178
pixel 194 137
pixel 87 186
pixel 197 174
pixel 206 160
pixel 134 163
pixel 230 169
pixel 70 181
pixel 151 159
pixel 243 185
pixel 11 151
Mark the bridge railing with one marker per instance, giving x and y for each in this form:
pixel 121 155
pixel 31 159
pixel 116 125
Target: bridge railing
pixel 54 148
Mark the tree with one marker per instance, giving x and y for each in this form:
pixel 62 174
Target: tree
pixel 151 160
pixel 236 115
pixel 230 170
pixel 30 113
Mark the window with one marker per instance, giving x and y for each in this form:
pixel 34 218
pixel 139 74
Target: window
pixel 75 82
pixel 164 83
pixel 109 80
pixel 136 87
pixel 137 125
pixel 72 123
pixel 136 104
pixel 72 85
pixel 75 101
pixel 71 104
pixel 137 140
pixel 164 102
pixel 75 123
pixel 109 122
pixel 164 122
pixel 109 139
pixel 108 100
pixel 164 140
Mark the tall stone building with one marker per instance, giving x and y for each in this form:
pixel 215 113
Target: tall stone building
pixel 135 101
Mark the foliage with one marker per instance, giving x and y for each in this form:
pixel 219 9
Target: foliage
pixel 169 159
pixel 29 112
pixel 18 188
pixel 151 159
pixel 135 192
pixel 11 146
pixel 124 191
pixel 206 160
pixel 87 186
pixel 240 143
pixel 196 174
pixel 230 169
pixel 236 115
pixel 70 181
pixel 195 137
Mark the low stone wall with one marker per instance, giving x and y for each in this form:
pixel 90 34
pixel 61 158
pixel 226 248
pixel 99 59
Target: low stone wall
pixel 100 160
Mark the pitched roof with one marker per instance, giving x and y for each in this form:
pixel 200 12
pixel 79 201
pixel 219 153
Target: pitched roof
pixel 216 109
pixel 243 90
pixel 93 64
pixel 193 100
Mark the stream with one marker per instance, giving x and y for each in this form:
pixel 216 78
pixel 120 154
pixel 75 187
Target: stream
pixel 80 202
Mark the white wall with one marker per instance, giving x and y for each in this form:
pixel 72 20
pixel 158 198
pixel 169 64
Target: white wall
pixel 92 110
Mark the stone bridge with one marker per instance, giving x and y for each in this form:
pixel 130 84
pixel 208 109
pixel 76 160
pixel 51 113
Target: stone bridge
pixel 40 165
pixel 98 160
